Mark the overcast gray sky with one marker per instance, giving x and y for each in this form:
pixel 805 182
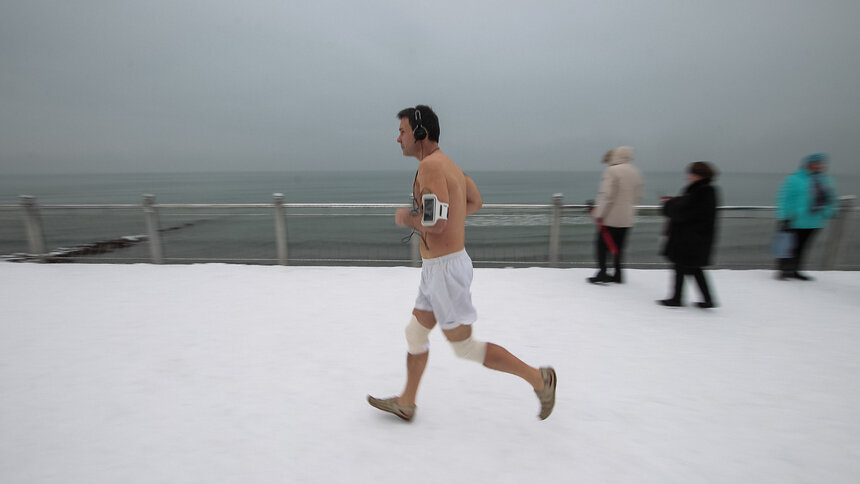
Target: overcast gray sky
pixel 182 85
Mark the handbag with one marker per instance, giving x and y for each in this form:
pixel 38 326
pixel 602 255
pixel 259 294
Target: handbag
pixel 782 244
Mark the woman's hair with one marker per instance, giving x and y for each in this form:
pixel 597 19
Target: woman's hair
pixel 702 169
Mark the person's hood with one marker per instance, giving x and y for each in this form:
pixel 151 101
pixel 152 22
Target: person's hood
pixel 815 157
pixel 622 154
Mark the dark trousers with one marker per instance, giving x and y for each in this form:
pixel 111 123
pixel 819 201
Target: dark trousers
pixel 802 239
pixel 618 235
pixel 698 274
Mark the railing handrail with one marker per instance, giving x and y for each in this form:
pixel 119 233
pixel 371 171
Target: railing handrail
pixel 135 206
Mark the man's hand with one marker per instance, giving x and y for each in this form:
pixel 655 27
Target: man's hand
pixel 403 217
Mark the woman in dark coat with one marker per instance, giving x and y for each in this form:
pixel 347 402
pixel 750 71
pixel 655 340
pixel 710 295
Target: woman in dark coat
pixel 691 230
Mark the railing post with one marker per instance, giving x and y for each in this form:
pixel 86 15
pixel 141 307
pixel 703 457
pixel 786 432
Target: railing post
pixel 33 223
pixel 150 212
pixel 280 228
pixel 555 229
pixel 839 230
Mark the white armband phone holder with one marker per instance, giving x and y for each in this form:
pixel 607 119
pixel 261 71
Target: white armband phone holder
pixel 434 210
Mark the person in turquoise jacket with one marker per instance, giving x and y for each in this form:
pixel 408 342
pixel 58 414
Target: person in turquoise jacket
pixel 806 199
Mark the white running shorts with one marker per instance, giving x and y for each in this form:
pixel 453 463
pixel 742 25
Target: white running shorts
pixel 445 289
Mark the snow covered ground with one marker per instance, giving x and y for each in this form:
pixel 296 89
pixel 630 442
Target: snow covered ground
pixel 252 374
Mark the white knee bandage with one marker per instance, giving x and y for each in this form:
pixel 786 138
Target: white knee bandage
pixel 470 349
pixel 417 337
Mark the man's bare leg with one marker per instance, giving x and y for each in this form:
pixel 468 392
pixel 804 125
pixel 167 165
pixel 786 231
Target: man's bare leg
pixel 543 380
pixel 415 364
pixel 500 359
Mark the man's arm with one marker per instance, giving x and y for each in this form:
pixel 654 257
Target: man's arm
pixel 431 180
pixel 474 202
pixel 404 218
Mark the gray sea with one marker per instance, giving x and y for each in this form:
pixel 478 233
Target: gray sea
pixel 495 237
pixel 364 187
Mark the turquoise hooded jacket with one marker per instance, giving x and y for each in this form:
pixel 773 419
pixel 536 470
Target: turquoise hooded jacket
pixel 796 198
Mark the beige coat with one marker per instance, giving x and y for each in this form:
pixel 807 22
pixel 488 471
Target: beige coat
pixel 620 190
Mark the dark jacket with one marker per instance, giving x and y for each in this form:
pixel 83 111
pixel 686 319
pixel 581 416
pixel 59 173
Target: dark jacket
pixel 692 225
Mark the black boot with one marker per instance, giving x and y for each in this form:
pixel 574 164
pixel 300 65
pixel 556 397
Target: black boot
pixel 599 278
pixel 672 303
pixel 802 277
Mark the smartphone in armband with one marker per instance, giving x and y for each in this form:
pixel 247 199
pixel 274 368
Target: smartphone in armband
pixel 434 210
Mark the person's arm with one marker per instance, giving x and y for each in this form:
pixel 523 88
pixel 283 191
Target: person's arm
pixel 474 202
pixel 685 208
pixel 605 195
pixel 431 180
pixel 786 200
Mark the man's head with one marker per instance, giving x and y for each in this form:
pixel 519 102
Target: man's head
pixel 816 162
pixel 417 125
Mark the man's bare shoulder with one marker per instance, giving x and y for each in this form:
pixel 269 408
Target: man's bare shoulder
pixel 438 164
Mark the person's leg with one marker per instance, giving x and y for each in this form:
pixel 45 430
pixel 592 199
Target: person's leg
pixel 702 281
pixel 417 332
pixel 678 289
pixel 600 249
pixel 601 253
pixel 416 363
pixel 789 265
pixel 543 380
pixel 803 237
pixel 498 358
pixel 619 236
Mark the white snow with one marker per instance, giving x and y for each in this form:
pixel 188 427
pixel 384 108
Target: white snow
pixel 254 374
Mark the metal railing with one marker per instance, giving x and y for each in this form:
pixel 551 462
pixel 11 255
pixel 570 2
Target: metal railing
pixel 550 235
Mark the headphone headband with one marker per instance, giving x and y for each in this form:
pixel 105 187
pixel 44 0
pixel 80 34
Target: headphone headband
pixel 420 132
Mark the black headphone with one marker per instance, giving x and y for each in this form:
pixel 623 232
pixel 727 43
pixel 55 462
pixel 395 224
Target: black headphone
pixel 420 132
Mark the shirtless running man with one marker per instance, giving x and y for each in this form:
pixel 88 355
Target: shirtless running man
pixel 444 294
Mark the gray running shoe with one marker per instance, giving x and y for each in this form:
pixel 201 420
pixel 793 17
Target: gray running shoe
pixel 390 405
pixel 547 394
